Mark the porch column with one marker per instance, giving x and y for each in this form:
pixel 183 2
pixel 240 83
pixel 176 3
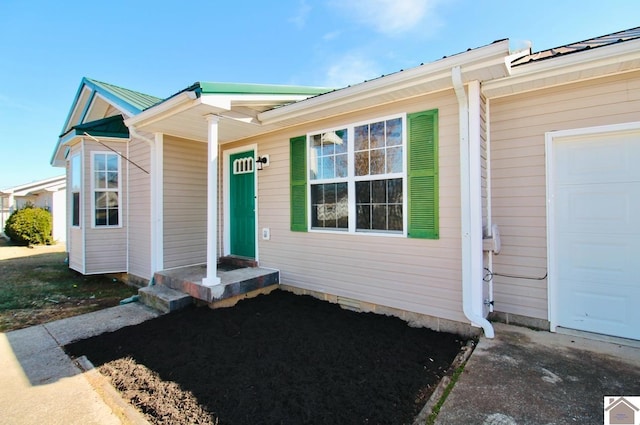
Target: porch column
pixel 211 278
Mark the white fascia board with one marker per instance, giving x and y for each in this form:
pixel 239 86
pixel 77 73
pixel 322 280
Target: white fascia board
pixel 178 103
pixel 439 71
pixel 621 57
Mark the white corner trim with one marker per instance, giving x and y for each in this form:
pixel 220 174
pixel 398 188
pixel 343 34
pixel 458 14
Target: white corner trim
pixel 157 202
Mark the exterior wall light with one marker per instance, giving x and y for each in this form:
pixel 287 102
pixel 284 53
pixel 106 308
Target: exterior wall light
pixel 262 161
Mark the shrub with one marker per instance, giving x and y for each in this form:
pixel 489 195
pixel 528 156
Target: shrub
pixel 29 226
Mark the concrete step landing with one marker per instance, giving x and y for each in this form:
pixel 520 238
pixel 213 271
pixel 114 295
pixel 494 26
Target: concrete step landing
pixel 164 299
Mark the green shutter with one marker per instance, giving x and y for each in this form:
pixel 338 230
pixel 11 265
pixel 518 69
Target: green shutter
pixel 422 175
pixel 298 182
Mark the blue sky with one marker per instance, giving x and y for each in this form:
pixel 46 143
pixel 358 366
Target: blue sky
pixel 161 47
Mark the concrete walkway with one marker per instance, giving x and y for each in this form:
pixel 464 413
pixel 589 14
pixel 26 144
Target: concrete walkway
pixel 528 377
pixel 39 384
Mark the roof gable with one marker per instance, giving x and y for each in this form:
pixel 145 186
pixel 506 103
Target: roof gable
pixel 96 100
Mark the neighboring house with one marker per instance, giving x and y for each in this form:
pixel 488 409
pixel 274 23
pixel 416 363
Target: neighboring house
pixel 49 194
pixel 394 195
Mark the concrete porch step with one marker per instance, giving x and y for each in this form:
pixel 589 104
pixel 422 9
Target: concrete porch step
pixel 235 282
pixel 163 298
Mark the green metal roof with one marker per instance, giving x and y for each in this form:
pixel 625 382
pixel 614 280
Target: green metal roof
pixel 105 127
pixel 204 87
pixel 137 100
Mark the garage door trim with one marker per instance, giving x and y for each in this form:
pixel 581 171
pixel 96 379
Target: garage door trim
pixel 550 140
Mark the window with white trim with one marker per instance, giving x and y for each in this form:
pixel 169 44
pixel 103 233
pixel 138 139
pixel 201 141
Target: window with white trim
pixel 356 176
pixel 106 189
pixel 379 176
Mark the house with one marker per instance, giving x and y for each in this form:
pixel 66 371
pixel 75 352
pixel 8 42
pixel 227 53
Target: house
pixel 490 182
pixel 49 194
pixel 621 411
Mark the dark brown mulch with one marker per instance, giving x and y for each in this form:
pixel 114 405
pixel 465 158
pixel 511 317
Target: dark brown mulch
pixel 284 359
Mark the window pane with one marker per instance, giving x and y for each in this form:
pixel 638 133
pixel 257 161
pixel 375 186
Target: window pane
pixel 364 217
pixel 394 132
pixel 379 191
pixel 395 217
pixel 362 163
pixel 113 217
pixel 342 165
pixel 376 139
pixel 330 208
pixel 341 145
pixel 101 217
pixel 112 162
pixel 328 168
pixel 112 199
pixel 75 208
pixel 394 160
pixel 100 180
pixel 101 200
pixel 363 192
pixel 361 141
pixel 394 194
pixel 75 173
pixel 99 163
pixel 377 161
pixel 379 217
pixel 112 180
pixel 382 210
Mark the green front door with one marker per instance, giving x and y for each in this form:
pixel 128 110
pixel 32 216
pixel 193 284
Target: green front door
pixel 242 217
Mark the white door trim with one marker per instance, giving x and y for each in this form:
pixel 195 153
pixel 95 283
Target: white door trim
pixel 226 244
pixel 550 139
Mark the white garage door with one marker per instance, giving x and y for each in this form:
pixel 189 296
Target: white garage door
pixel 595 233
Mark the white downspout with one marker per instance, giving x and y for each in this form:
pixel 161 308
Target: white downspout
pixel 471 212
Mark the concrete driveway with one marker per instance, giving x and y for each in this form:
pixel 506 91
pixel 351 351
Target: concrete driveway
pixel 528 377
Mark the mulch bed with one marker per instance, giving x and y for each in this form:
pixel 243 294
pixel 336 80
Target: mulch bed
pixel 275 359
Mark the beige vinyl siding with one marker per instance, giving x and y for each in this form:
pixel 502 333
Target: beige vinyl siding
pixel 518 127
pixel 139 200
pixel 75 248
pixel 185 202
pixel 105 248
pixel 417 275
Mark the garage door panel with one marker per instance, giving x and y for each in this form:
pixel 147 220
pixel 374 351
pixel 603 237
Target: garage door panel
pixel 596 233
pixel 600 159
pixel 592 309
pixel 607 257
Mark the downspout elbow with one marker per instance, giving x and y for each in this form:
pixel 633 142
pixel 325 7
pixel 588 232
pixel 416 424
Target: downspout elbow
pixel 134 133
pixel 468 275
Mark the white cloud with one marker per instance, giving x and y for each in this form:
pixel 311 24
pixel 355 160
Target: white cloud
pixel 301 15
pixel 352 68
pixel 390 17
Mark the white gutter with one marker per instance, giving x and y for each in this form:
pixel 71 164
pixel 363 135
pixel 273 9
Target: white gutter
pixel 471 209
pixel 178 103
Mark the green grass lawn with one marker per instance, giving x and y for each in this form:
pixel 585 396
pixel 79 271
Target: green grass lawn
pixel 40 288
